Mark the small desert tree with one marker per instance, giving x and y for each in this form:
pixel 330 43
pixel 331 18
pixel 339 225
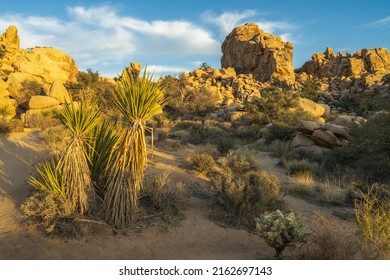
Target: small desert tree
pixel 138 99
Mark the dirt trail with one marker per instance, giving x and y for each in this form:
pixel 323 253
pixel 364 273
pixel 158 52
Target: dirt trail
pixel 196 236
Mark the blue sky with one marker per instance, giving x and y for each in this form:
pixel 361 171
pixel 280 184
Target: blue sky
pixel 176 36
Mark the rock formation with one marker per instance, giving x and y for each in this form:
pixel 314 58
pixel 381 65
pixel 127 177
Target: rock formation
pixel 366 61
pixel 48 66
pixel 250 50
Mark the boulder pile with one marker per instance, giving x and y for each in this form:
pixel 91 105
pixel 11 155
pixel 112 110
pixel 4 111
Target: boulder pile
pixel 49 67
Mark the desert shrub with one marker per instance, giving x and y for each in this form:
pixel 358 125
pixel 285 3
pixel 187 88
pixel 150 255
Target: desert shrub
pixel 279 131
pixel 328 240
pixel 160 197
pixel 13 125
pixel 28 89
pixel 47 211
pixel 246 196
pixel 278 148
pixel 209 134
pixel 188 102
pixel 295 167
pixel 280 230
pixel 202 162
pixel 272 103
pixel 372 216
pixel 241 160
pixel 5 111
pixel 368 150
pixel 225 144
pixel 310 89
pixel 43 120
pixel 56 138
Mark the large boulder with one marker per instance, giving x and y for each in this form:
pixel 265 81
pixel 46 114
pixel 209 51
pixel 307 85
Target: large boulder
pixel 325 138
pixel 42 102
pixel 248 49
pixel 311 107
pixel 11 35
pixel 308 127
pixel 301 140
pixel 58 91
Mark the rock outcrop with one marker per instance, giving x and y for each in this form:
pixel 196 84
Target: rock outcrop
pixel 48 66
pixel 324 135
pixel 250 50
pixel 365 61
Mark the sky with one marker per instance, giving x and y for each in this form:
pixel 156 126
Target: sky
pixel 171 37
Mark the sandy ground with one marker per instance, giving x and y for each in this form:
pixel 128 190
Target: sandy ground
pixel 195 237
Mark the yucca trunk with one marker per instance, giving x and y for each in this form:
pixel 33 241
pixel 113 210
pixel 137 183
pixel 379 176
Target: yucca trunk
pixel 126 172
pixel 73 164
pixel 76 173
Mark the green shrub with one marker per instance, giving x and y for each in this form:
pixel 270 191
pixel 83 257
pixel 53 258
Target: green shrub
pixel 367 152
pixel 279 230
pixel 246 196
pixel 310 89
pixel 241 160
pixel 202 162
pixel 28 89
pixel 279 131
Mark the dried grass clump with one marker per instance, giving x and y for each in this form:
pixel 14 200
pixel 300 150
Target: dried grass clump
pixel 329 241
pixel 163 198
pixel 48 211
pixel 241 160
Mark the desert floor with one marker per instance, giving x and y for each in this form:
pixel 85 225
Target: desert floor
pixel 194 236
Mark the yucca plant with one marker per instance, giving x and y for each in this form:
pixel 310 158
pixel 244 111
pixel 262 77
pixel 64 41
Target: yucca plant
pixel 80 120
pixel 101 143
pixel 48 178
pixel 138 99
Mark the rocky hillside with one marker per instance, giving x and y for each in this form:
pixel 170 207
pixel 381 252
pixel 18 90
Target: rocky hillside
pixel 49 67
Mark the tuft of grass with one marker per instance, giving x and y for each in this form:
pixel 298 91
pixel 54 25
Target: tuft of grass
pixel 332 191
pixel 372 216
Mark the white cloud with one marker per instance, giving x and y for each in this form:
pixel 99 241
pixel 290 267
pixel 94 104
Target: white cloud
pixel 99 35
pixel 384 22
pixel 228 20
pixel 164 69
pixel 273 26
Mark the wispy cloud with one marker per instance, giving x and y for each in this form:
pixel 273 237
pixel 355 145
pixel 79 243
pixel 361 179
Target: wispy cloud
pixel 228 20
pixel 100 35
pixel 384 22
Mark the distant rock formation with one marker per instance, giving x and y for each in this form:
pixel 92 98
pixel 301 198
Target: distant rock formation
pixel 329 65
pixel 250 50
pixel 48 66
